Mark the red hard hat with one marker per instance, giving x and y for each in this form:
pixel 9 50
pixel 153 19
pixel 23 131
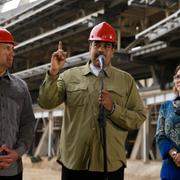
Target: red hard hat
pixel 6 37
pixel 103 32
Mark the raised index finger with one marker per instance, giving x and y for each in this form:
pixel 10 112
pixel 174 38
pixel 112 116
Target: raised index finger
pixel 60 45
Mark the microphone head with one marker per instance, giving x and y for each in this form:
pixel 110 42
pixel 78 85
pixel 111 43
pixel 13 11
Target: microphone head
pixel 101 59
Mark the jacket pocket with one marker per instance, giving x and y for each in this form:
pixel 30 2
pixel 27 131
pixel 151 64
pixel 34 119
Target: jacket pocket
pixel 77 94
pixel 118 95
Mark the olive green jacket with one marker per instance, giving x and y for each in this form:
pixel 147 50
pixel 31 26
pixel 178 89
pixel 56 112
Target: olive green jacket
pixel 80 145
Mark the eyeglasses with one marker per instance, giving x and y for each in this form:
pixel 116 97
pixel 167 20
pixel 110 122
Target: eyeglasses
pixel 176 77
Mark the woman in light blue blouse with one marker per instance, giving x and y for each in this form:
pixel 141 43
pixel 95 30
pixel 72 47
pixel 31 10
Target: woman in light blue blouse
pixel 168 133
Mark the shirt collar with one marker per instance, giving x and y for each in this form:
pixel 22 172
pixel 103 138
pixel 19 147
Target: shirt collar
pixel 6 75
pixel 95 70
pixel 87 69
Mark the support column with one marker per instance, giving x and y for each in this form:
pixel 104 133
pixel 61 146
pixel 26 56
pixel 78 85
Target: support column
pixel 146 140
pixel 118 39
pixel 50 135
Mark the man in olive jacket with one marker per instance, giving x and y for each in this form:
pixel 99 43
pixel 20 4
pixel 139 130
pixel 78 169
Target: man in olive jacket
pixel 81 150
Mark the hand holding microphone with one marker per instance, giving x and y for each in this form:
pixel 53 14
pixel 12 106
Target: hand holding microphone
pixel 106 100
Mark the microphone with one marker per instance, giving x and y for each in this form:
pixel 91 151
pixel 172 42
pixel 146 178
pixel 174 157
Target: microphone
pixel 101 59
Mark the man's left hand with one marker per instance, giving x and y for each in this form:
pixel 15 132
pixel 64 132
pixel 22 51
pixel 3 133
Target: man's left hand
pixel 106 100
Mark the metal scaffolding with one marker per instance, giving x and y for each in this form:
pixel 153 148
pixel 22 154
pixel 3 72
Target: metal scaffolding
pixel 39 70
pixel 161 28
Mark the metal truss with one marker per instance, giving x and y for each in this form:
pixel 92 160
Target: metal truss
pixel 88 21
pixel 33 10
pixel 140 50
pixel 22 11
pixel 72 61
pixel 152 3
pixel 3 1
pixel 161 28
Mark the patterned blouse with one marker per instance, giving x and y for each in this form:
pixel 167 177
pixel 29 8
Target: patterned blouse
pixel 168 137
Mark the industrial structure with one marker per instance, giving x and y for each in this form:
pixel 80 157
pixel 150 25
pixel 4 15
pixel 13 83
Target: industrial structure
pixel 148 48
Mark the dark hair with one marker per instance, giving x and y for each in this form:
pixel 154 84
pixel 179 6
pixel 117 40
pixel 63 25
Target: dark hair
pixel 174 88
